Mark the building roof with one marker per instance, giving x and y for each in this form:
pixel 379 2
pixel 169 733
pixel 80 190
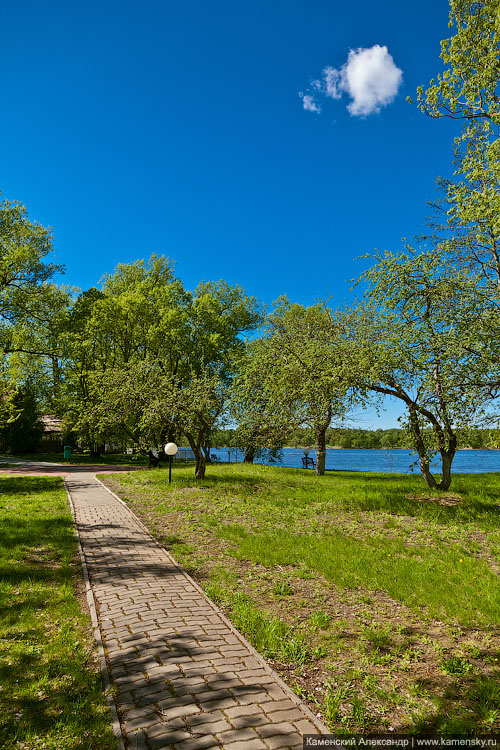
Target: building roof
pixel 51 423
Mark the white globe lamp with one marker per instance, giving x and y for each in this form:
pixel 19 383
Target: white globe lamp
pixel 170 449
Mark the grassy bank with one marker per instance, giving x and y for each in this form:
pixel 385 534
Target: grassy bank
pixel 379 604
pixel 50 685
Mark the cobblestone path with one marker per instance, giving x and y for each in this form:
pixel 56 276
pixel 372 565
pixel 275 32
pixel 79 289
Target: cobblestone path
pixel 184 677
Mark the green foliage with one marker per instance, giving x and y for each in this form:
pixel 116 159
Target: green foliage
pixel 21 434
pixel 27 302
pixel 419 339
pixel 282 588
pixel 468 87
pixel 24 246
pixel 320 619
pixel 334 697
pixel 468 235
pixel 149 361
pixel 36 353
pixel 293 375
pixel 456 665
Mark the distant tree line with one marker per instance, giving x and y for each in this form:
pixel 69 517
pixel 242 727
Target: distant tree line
pixel 352 437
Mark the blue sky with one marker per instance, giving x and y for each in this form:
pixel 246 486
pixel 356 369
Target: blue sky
pixel 177 128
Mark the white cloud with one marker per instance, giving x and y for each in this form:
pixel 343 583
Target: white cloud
pixel 332 82
pixel 309 103
pixel 369 77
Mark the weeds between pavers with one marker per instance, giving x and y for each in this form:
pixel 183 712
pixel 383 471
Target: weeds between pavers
pixel 380 611
pixel 50 684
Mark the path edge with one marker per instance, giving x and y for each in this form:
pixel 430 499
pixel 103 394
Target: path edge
pixel 108 690
pixel 322 728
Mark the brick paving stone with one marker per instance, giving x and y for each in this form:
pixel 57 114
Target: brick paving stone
pixel 166 742
pixel 249 745
pixel 288 715
pixel 200 743
pixel 212 727
pixel 270 730
pixel 185 678
pixel 284 741
pixel 137 739
pixel 250 721
pixel 140 722
pixel 166 733
pixel 206 718
pixel 237 734
pixel 278 706
pixel 302 726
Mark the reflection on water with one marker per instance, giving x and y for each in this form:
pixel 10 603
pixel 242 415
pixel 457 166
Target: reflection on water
pixel 378 459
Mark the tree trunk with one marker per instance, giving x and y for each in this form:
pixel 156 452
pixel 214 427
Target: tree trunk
pixel 421 450
pixel 95 450
pixel 249 455
pixel 196 447
pixel 446 462
pixel 56 378
pixel 321 450
pixel 426 472
pixel 200 464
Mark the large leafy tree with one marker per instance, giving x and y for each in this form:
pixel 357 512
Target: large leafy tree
pixel 36 350
pixel 296 375
pixel 22 432
pixel 468 90
pixel 141 402
pixel 25 268
pixel 264 421
pixel 422 340
pixel 144 333
pixel 469 229
pixel 27 300
pixel 137 316
pixel 469 87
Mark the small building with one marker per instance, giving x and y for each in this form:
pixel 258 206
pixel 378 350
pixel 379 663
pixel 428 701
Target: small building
pixel 51 440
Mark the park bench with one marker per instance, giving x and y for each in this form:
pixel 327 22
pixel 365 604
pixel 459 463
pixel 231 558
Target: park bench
pixel 307 461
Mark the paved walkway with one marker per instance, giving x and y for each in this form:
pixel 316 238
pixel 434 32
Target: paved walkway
pixel 9 465
pixel 184 677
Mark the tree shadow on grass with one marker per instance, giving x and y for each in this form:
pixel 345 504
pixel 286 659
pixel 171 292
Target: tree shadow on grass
pixel 69 695
pixel 36 532
pixel 469 706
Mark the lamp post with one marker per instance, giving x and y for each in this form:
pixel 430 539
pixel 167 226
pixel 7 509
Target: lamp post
pixel 170 449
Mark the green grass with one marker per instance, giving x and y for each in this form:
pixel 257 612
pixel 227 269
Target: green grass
pixel 50 686
pixel 270 635
pixel 373 589
pixel 343 528
pixel 448 582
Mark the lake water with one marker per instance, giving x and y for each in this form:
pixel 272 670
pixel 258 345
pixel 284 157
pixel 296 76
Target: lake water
pixel 377 459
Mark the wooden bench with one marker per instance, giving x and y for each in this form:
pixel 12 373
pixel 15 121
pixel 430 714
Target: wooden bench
pixel 308 461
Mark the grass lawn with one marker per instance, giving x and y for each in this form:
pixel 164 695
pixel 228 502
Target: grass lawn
pixel 51 693
pixel 378 604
